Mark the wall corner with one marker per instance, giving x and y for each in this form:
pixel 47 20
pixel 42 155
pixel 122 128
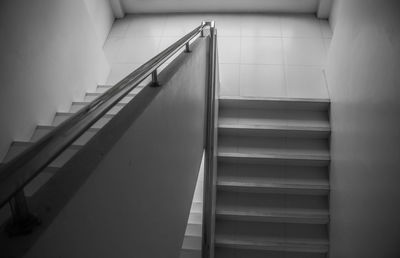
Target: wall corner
pixel 117 8
pixel 324 9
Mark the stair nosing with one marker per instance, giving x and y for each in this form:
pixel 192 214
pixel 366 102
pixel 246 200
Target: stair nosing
pixel 273 185
pixel 274 244
pixel 274 215
pixel 88 102
pixel 276 99
pixel 72 113
pixel 274 127
pixel 99 94
pixel 274 156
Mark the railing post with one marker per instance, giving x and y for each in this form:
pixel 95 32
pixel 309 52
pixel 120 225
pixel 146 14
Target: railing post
pixel 154 79
pixel 187 48
pixel 22 221
pixel 203 23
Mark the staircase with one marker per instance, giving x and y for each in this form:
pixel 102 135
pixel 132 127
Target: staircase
pixel 273 178
pixel 18 146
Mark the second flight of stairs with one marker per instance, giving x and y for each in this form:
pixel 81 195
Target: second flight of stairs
pixel 273 178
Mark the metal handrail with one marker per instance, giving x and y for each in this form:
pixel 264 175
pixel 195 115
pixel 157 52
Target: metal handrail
pixel 18 172
pixel 210 164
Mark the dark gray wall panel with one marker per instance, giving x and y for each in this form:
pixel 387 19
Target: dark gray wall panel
pixel 136 202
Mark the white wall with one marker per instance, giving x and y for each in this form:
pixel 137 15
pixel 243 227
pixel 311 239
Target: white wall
pixel 102 17
pixel 152 6
pixel 50 55
pixel 324 9
pixel 333 16
pixel 364 82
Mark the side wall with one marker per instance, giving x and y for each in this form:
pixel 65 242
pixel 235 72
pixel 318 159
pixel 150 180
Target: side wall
pixel 102 17
pixel 151 6
pixel 364 82
pixel 50 56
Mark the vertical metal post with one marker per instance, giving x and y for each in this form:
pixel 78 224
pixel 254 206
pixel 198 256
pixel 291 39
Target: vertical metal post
pixel 187 47
pixel 203 23
pixel 154 79
pixel 22 221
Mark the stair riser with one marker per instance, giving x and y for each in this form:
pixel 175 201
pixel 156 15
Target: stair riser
pixel 222 252
pixel 276 160
pixel 190 254
pixel 99 124
pixel 277 247
pixel 274 104
pixel 114 110
pixel 273 190
pixel 316 134
pixel 274 219
pixel 90 98
pixel 273 145
pixel 255 201
pixel 102 89
pixel 193 230
pixel 39 133
pixel 271 172
pixel 301 233
pixel 191 243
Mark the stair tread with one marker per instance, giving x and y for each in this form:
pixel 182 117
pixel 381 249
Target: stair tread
pixel 52 127
pixel 268 104
pixel 272 212
pixel 192 243
pixel 284 244
pixel 99 94
pixel 277 183
pixel 272 155
pixel 277 126
pixel 281 99
pixel 190 253
pixel 87 102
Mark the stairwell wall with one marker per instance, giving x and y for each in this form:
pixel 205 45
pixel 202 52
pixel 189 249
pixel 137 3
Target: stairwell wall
pixel 363 79
pixel 51 55
pixel 160 6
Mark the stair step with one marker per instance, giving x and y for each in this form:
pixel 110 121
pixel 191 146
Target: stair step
pixel 89 97
pixel 190 254
pixel 193 229
pixel 273 244
pixel 278 186
pixel 17 148
pixel 286 215
pixel 62 116
pixel 104 88
pixel 288 159
pixel 273 130
pixel 42 130
pixel 191 243
pixel 40 180
pixel 197 207
pixel 274 103
pixel 76 106
pixel 195 218
pixel 253 201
